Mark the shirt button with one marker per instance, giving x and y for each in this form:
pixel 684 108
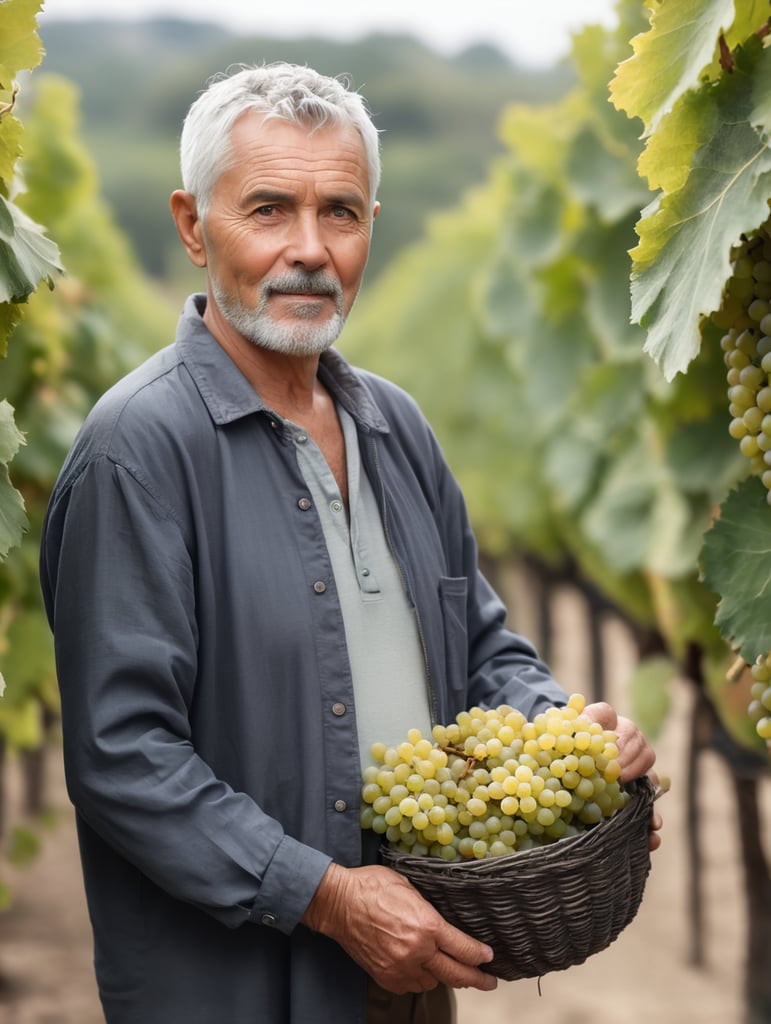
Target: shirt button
pixel 365 572
pixel 341 805
pixel 337 506
pixel 304 504
pixel 301 438
pixel 338 709
pixel 319 586
pixel 268 919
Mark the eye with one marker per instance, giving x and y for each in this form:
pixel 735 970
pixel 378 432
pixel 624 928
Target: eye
pixel 267 210
pixel 342 213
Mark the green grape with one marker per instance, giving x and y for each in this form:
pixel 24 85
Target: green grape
pixel 393 816
pixel 408 807
pixel 764 727
pixel 398 793
pixel 436 814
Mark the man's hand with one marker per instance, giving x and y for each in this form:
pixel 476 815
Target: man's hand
pixel 635 754
pixel 386 926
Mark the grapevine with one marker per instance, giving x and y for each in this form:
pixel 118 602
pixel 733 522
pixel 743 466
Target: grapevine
pixel 493 783
pixel 745 315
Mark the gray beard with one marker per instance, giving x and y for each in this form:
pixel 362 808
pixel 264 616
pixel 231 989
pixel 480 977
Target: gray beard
pixel 295 338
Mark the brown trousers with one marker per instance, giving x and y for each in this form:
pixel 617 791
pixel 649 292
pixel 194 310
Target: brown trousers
pixel 434 1007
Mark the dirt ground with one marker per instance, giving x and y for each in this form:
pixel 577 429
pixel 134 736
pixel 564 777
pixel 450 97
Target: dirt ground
pixel 645 976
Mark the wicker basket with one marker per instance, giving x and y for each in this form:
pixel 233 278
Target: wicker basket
pixel 550 907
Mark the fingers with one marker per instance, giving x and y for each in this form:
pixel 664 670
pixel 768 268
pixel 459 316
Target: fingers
pixel 449 971
pixel 635 754
pixel 654 839
pixel 603 713
pixel 458 959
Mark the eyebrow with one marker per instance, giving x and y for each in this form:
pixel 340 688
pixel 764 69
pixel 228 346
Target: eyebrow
pixel 267 196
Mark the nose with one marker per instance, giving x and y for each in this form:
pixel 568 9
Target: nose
pixel 306 247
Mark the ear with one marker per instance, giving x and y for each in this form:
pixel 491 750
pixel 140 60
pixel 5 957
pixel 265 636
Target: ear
pixel 375 210
pixel 189 226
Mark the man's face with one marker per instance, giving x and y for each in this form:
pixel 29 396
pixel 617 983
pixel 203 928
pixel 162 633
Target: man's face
pixel 287 233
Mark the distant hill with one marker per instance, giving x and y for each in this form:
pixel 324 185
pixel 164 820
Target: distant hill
pixel 437 114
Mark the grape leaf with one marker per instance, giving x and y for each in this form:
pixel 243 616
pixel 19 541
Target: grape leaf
pixel 27 257
pixel 20 47
pixel 639 519
pixel 10 316
pixel 703 457
pixel 669 58
pixel 13 520
pixel 10 148
pixel 570 468
pixel 10 436
pixel 603 179
pixel 666 160
pixel 650 687
pixel 682 260
pixel 735 563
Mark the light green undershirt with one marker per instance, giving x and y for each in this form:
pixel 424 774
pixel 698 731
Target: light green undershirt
pixel 384 648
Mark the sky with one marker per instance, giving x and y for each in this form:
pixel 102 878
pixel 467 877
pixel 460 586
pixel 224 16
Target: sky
pixel 533 32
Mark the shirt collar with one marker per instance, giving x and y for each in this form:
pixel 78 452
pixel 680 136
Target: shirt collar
pixel 229 395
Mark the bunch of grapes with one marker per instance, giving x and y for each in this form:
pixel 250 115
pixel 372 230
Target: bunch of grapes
pixel 493 783
pixel 745 315
pixel 760 706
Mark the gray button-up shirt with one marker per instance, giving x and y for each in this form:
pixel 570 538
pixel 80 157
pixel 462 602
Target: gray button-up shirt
pixel 202 665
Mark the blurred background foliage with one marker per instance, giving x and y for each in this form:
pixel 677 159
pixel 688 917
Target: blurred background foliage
pixel 438 116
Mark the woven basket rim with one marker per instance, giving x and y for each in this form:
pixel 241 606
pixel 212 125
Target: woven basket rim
pixel 582 845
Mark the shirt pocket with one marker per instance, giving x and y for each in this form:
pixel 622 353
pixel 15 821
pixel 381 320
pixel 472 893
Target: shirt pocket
pixel 453 592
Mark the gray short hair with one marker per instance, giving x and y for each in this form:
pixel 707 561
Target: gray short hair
pixel 289 91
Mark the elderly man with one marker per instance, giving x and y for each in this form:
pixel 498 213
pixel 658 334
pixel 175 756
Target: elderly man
pixel 256 562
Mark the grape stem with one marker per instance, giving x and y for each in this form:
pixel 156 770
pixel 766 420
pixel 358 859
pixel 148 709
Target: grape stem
pixel 727 62
pixel 471 762
pixel 734 673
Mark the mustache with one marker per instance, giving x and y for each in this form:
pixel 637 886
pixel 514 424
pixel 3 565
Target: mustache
pixel 303 282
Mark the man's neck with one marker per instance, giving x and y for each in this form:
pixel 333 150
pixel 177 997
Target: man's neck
pixel 287 384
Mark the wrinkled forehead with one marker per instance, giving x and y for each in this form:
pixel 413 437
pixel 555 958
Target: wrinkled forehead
pixel 262 143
